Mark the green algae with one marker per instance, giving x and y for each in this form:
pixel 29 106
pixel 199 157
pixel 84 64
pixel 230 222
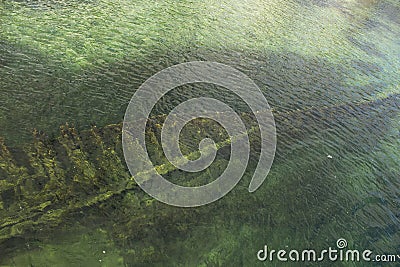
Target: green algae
pixel 77 174
pixel 81 245
pixel 70 189
pixel 112 28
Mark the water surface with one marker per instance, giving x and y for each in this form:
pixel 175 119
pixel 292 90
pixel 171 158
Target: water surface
pixel 81 61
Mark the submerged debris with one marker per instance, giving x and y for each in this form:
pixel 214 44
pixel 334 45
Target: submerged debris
pixel 81 170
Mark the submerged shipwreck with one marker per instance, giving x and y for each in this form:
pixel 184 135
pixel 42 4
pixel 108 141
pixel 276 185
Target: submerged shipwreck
pixel 53 179
pixel 329 68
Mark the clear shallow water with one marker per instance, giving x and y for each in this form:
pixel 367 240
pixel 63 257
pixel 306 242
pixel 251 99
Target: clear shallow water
pixel 80 62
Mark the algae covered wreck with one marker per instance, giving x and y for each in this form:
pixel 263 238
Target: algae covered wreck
pixel 54 180
pixel 68 69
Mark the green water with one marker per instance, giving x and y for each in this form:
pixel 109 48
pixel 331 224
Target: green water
pixel 81 61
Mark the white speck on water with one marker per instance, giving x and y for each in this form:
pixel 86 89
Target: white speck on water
pixel 329 157
pixel 104 252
